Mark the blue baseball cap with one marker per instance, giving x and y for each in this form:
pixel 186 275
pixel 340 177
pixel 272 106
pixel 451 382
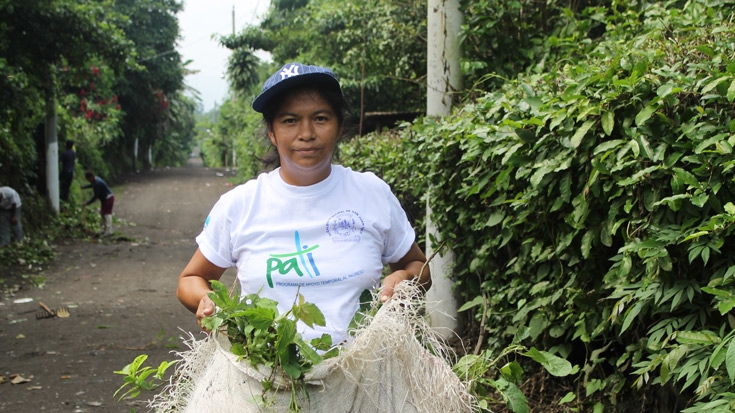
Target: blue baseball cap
pixel 294 74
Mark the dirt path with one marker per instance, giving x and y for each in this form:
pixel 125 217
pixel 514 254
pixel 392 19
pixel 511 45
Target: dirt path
pixel 121 296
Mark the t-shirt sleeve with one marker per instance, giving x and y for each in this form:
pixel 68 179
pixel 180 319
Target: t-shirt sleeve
pixel 401 235
pixel 215 239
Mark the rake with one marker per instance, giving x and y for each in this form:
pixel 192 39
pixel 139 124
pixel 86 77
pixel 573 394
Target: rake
pixel 49 313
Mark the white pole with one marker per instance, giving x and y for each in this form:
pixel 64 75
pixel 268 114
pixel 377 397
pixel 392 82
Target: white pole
pixel 52 154
pixel 444 78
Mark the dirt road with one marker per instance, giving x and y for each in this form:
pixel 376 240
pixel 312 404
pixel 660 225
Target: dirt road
pixel 120 292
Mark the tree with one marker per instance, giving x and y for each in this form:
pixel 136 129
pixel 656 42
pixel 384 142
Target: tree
pixel 41 40
pixel 377 48
pixel 145 89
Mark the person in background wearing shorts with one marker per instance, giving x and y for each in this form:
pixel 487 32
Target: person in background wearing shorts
pixel 10 221
pixel 102 192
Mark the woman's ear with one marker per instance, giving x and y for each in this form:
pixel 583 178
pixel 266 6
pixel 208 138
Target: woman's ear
pixel 272 136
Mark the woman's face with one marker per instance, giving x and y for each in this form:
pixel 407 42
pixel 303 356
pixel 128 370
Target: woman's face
pixel 305 131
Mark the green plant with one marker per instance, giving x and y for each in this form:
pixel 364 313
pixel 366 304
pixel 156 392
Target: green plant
pixel 487 379
pixel 258 334
pixel 142 378
pixel 263 337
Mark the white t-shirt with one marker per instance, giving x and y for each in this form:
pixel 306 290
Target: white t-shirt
pixel 9 198
pixel 327 241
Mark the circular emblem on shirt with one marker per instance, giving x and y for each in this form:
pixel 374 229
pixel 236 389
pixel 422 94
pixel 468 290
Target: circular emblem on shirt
pixel 345 226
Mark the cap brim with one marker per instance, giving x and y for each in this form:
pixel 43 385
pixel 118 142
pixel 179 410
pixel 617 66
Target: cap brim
pixel 317 79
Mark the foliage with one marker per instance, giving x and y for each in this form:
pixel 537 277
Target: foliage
pixel 258 334
pixel 42 42
pixel 263 337
pixel 78 59
pixel 591 201
pixel 476 369
pixel 377 48
pixel 146 90
pixel 138 377
pixel 503 38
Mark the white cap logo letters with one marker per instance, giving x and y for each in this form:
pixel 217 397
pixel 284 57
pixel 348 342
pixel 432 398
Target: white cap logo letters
pixel 292 70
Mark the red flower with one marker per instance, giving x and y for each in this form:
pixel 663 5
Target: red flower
pixel 117 107
pixel 82 92
pixel 91 86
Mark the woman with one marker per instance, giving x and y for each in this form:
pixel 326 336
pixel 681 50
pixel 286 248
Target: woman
pixel 307 227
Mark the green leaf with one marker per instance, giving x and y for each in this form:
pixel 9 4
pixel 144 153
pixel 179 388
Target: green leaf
pixel 713 84
pixel 631 315
pixel 644 115
pixel 730 361
pixel 309 314
pixel 569 397
pixel 671 361
pixel 686 177
pixel 731 91
pixel 586 246
pixel 697 337
pixel 555 365
pixel 581 132
pixel 513 396
pixel 307 352
pixel 512 372
pixel 290 362
pixel 608 122
pixel 495 218
pixel 286 333
pixel 260 318
pixel 667 89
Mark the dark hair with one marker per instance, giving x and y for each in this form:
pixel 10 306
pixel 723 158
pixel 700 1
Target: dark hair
pixel 89 174
pixel 69 144
pixel 334 98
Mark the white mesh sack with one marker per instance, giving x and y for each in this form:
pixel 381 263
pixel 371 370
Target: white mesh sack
pixel 385 369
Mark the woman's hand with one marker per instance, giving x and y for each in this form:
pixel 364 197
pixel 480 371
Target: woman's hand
pixel 391 281
pixel 206 308
pixel 411 266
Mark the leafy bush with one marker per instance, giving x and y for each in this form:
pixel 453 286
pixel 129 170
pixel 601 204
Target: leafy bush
pixel 591 201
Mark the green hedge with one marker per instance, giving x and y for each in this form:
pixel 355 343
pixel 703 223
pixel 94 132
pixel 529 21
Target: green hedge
pixel 592 203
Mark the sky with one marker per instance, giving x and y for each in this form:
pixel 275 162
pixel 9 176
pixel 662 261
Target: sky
pixel 197 23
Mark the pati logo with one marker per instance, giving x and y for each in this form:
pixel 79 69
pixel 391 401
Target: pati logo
pixel 287 72
pixel 293 261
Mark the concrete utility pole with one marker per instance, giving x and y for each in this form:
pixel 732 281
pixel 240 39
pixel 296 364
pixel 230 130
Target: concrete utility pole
pixel 52 153
pixel 444 78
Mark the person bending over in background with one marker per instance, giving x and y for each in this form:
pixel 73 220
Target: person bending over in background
pixel 102 192
pixel 10 220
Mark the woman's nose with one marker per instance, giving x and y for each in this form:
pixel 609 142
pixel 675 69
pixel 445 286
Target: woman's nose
pixel 306 130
